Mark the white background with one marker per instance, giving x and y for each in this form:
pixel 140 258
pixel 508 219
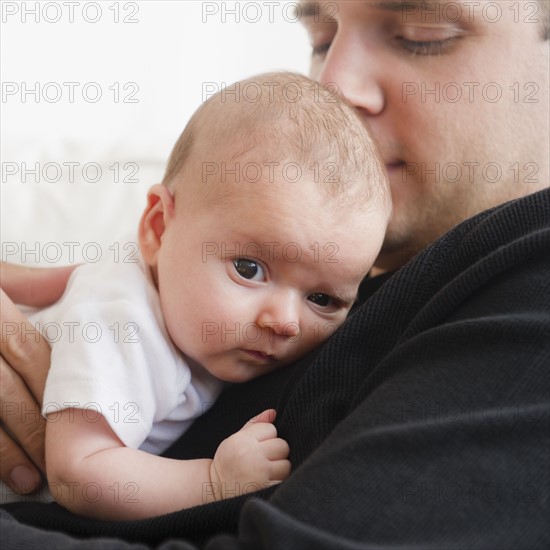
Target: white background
pixel 170 54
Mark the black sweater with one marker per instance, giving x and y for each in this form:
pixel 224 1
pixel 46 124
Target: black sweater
pixel 423 423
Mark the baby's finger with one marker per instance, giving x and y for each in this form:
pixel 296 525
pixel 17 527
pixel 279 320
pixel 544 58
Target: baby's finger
pixel 265 416
pixel 260 432
pixel 279 470
pixel 275 449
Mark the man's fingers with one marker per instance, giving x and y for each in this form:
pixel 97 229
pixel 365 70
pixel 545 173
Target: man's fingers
pixel 20 415
pixel 16 469
pixel 23 348
pixel 24 363
pixel 34 286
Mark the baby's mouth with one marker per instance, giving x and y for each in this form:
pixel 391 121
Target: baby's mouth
pixel 260 356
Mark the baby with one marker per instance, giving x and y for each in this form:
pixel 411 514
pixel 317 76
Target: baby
pixel 273 208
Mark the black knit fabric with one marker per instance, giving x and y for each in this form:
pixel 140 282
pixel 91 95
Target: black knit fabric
pixel 423 423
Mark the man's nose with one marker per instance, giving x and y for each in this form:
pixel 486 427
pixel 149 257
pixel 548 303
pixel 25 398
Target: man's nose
pixel 280 313
pixel 352 66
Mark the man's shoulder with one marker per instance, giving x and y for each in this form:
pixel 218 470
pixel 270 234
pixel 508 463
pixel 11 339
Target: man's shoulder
pixel 502 224
pixel 509 230
pixel 505 248
pixel 474 252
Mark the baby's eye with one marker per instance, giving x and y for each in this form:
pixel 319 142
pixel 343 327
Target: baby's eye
pixel 248 269
pixel 322 300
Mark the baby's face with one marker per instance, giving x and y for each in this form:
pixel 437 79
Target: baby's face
pixel 256 282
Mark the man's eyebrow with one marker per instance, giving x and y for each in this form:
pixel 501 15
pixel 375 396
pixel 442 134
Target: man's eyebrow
pixel 306 9
pixel 311 8
pixel 404 5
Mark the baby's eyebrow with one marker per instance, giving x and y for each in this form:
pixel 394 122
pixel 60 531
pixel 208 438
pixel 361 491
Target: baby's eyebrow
pixel 347 299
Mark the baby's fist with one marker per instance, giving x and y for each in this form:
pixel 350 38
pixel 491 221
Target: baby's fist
pixel 251 459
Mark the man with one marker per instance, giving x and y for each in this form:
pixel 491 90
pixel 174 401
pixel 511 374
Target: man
pixel 436 390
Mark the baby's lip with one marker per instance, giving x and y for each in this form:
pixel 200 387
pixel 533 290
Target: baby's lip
pixel 260 355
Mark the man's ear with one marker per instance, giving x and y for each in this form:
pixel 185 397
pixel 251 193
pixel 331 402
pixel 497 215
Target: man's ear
pixel 158 213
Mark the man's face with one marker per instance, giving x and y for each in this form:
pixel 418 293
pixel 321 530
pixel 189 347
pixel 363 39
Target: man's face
pixel 253 281
pixel 455 92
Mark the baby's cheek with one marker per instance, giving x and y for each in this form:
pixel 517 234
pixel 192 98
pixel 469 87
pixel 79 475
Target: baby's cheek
pixel 175 327
pixel 176 318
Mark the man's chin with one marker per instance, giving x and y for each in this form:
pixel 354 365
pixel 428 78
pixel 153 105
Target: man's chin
pixel 395 253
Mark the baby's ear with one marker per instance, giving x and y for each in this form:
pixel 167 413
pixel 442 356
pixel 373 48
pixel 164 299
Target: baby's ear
pixel 157 215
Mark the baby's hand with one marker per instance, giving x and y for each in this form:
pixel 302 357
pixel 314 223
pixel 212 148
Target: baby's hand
pixel 251 459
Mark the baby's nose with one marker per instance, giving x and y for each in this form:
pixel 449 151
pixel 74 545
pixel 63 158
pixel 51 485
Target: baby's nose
pixel 281 314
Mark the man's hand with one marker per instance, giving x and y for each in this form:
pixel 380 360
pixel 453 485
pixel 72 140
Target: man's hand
pixel 24 364
pixel 251 459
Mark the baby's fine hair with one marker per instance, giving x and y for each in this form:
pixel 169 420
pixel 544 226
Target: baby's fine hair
pixel 284 117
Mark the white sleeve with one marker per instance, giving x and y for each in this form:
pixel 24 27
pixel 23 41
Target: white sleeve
pixel 114 358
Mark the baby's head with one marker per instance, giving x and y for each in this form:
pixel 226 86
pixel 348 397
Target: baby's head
pixel 273 208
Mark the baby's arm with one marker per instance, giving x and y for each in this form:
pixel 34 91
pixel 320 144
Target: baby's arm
pixel 91 473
